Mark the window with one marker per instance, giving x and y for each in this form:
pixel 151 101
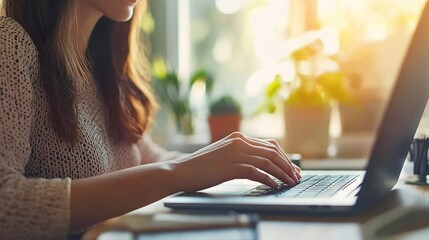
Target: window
pixel 245 44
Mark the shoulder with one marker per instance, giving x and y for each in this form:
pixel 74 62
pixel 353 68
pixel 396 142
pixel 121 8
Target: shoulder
pixel 14 37
pixel 18 58
pixel 10 27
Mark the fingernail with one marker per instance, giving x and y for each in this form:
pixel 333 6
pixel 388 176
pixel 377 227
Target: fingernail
pixel 294 182
pixel 298 174
pixel 296 177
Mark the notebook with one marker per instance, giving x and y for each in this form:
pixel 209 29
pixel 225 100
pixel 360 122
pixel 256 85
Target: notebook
pixel 354 191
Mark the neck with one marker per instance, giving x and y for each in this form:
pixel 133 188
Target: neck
pixel 87 19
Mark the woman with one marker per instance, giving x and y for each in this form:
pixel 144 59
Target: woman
pixel 73 115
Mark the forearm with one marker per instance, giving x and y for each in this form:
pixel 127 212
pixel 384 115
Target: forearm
pixel 98 198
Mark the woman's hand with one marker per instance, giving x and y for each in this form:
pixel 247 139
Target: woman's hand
pixel 234 157
pixel 104 196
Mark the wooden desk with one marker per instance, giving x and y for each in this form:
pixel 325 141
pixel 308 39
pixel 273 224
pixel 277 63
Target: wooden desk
pixel 337 227
pixel 300 227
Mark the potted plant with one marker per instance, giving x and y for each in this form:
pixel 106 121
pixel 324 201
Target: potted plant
pixel 174 93
pixel 307 100
pixel 224 117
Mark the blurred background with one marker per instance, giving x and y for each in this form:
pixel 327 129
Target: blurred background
pixel 313 74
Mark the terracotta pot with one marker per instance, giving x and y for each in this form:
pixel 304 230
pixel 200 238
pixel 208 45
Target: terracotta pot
pixel 307 130
pixel 222 125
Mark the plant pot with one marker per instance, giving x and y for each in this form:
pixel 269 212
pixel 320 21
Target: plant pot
pixel 222 125
pixel 185 124
pixel 307 130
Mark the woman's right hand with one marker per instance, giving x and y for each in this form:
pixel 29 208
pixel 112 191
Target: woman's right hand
pixel 234 157
pixel 97 198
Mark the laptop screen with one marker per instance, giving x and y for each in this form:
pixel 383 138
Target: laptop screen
pixel 401 118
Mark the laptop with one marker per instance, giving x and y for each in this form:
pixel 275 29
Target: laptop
pixel 340 191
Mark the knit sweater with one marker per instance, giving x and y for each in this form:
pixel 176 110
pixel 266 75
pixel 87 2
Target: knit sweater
pixel 36 166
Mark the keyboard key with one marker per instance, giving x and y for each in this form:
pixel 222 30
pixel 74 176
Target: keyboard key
pixel 309 186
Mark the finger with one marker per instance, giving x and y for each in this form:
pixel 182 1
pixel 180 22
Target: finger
pixel 273 163
pixel 276 143
pixel 275 154
pixel 244 171
pixel 297 169
pixel 293 165
pixel 212 147
pixel 238 139
pixel 272 144
pixel 268 166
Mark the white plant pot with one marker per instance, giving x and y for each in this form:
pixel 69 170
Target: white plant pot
pixel 307 130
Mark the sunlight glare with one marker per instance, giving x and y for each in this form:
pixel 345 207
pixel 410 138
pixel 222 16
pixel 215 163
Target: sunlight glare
pixel 257 82
pixel 222 49
pixel 229 6
pixel 268 33
pixel 330 40
pixel 377 31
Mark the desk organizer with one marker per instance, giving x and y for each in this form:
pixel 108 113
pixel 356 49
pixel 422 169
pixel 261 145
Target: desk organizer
pixel 419 156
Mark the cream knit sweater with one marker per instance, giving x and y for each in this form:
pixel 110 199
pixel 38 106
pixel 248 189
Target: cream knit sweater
pixel 36 167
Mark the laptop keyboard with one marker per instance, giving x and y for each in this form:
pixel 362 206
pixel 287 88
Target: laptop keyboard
pixel 310 186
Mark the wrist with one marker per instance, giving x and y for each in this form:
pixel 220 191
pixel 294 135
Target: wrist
pixel 175 178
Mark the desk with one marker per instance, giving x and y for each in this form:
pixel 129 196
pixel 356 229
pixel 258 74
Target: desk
pixel 299 227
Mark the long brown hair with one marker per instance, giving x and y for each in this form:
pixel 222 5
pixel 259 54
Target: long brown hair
pixel 113 60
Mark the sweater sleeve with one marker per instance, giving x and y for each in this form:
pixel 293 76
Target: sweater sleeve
pixel 30 208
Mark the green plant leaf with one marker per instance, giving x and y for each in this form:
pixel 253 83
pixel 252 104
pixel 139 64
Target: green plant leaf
pixel 307 97
pixel 202 76
pixel 148 23
pixel 274 87
pixel 172 81
pixel 308 51
pixel 334 84
pixel 159 69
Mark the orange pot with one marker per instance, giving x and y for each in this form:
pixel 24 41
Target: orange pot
pixel 222 125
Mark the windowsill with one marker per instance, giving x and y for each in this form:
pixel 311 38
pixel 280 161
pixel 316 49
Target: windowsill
pixel 334 164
